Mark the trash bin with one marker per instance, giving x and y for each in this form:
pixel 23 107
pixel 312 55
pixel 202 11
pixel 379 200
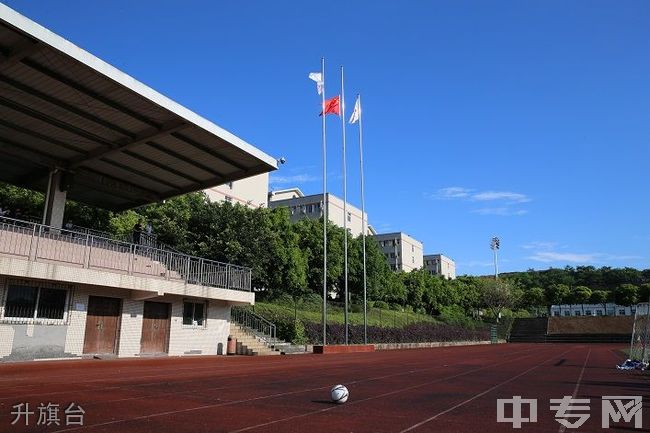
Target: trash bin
pixel 232 346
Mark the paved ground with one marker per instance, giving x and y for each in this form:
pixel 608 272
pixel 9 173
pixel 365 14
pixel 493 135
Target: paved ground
pixel 428 390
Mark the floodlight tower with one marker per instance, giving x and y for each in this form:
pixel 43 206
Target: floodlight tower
pixel 495 244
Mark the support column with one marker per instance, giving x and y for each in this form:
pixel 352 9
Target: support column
pixel 55 199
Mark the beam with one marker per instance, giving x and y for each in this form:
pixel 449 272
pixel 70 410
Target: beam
pixel 209 151
pixel 139 173
pixel 161 166
pixel 141 295
pixel 139 139
pixel 113 185
pixel 184 158
pixel 17 53
pixel 59 103
pixel 54 121
pixel 89 92
pixel 47 139
pixel 9 147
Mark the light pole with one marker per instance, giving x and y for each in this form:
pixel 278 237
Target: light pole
pixel 495 244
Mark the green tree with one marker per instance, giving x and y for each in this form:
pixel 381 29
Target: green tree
pixel 498 295
pixel 581 295
pixel 627 294
pixel 534 298
pixel 600 297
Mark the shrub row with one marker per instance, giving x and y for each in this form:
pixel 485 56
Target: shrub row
pixel 416 333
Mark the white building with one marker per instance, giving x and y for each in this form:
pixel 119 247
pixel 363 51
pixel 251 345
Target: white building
pixel 310 206
pixel 438 264
pixel 608 309
pixel 402 252
pixel 252 192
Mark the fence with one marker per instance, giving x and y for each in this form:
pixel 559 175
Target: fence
pixel 255 323
pixel 37 242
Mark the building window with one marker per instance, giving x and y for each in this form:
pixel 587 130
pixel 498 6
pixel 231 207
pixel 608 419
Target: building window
pixel 349 217
pixel 412 259
pixel 32 302
pixel 599 312
pixel 578 313
pixel 556 313
pixel 229 199
pixel 587 312
pixel 230 185
pixel 194 313
pixel 621 312
pixel 412 248
pixel 567 313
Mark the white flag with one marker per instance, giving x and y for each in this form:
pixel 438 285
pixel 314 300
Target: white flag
pixel 356 113
pixel 318 77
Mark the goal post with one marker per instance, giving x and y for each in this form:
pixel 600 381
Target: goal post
pixel 640 344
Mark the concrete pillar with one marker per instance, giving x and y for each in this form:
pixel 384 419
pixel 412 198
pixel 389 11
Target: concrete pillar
pixel 55 199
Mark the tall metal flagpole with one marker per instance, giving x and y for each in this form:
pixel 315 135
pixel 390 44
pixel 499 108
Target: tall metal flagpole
pixel 364 225
pixel 345 210
pixel 322 71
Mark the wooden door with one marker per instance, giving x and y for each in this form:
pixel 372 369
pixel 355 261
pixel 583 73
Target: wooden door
pixel 102 324
pixel 155 327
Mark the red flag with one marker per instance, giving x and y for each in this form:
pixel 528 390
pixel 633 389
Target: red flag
pixel 332 106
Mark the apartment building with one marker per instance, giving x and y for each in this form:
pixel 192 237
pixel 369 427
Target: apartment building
pixel 310 206
pixel 402 252
pixel 438 264
pixel 252 191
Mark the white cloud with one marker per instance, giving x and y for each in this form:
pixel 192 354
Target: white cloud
pixel 512 197
pixel 293 179
pixel 503 200
pixel 500 211
pixel 551 256
pixel 540 245
pixel 452 192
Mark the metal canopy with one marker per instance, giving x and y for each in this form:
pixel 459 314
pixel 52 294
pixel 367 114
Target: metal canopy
pixel 120 143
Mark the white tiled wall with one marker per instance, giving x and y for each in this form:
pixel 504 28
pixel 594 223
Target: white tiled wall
pixel 131 327
pixel 185 338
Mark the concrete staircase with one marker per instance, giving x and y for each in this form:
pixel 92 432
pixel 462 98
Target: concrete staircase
pixel 250 344
pixel 529 330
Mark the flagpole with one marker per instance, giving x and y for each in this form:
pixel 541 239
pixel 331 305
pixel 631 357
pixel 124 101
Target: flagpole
pixel 322 71
pixel 345 210
pixel 364 225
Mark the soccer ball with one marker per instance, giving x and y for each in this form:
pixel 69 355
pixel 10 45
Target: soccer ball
pixel 340 394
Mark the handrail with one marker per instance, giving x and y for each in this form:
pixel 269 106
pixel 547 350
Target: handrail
pixel 40 242
pixel 260 326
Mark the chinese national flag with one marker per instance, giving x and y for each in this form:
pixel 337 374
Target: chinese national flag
pixel 332 106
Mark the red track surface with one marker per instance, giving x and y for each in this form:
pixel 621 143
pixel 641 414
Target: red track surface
pixel 452 389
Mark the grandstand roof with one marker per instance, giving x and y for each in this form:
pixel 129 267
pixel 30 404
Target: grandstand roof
pixel 123 143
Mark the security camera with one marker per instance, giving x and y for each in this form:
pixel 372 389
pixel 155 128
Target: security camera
pixel 282 160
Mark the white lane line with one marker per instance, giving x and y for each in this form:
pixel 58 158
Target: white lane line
pixel 463 403
pixel 378 396
pixel 575 390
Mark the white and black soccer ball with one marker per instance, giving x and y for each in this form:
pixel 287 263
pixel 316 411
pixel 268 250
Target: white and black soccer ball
pixel 340 394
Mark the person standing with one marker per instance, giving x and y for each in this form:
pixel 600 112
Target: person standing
pixel 137 233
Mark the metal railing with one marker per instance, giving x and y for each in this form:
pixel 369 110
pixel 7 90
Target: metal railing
pixel 38 242
pixel 254 323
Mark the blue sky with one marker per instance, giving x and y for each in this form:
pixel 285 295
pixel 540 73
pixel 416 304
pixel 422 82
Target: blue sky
pixel 526 120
